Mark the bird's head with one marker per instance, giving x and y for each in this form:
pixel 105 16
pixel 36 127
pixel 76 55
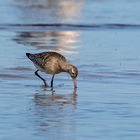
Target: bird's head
pixel 73 71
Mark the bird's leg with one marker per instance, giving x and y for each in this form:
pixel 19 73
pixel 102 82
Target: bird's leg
pixel 41 78
pixel 52 81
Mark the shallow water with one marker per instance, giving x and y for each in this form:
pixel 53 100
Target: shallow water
pixel 102 39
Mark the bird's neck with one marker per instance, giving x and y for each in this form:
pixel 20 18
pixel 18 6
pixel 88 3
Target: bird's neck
pixel 66 67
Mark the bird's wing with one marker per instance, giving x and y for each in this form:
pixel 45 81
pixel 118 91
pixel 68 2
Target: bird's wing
pixel 47 56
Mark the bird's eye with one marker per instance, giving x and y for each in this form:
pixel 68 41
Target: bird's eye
pixel 73 73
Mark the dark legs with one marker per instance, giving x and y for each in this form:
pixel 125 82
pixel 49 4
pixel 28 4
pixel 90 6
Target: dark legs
pixel 52 81
pixel 36 73
pixel 41 78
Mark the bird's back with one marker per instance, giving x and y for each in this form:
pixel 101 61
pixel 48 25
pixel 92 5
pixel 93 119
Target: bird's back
pixel 48 62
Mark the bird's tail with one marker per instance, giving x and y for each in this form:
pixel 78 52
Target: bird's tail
pixel 30 56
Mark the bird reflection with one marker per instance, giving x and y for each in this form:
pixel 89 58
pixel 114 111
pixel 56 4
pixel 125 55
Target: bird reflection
pixel 50 98
pixel 54 112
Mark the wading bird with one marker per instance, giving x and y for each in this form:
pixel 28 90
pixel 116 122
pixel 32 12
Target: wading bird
pixel 52 63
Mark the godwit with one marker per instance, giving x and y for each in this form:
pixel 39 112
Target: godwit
pixel 52 63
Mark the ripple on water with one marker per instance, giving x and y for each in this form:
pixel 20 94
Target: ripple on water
pixel 58 27
pixel 104 73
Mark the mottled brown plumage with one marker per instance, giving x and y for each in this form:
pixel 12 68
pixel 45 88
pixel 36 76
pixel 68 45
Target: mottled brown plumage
pixel 52 63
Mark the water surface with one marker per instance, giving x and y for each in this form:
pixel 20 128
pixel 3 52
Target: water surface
pixel 102 39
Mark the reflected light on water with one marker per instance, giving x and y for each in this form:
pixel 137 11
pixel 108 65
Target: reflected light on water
pixel 61 11
pixel 63 42
pixel 35 12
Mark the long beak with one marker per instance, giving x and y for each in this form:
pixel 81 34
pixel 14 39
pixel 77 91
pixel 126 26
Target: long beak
pixel 74 82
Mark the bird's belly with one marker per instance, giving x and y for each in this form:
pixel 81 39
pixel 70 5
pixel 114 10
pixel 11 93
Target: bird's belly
pixel 51 70
pixel 48 69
